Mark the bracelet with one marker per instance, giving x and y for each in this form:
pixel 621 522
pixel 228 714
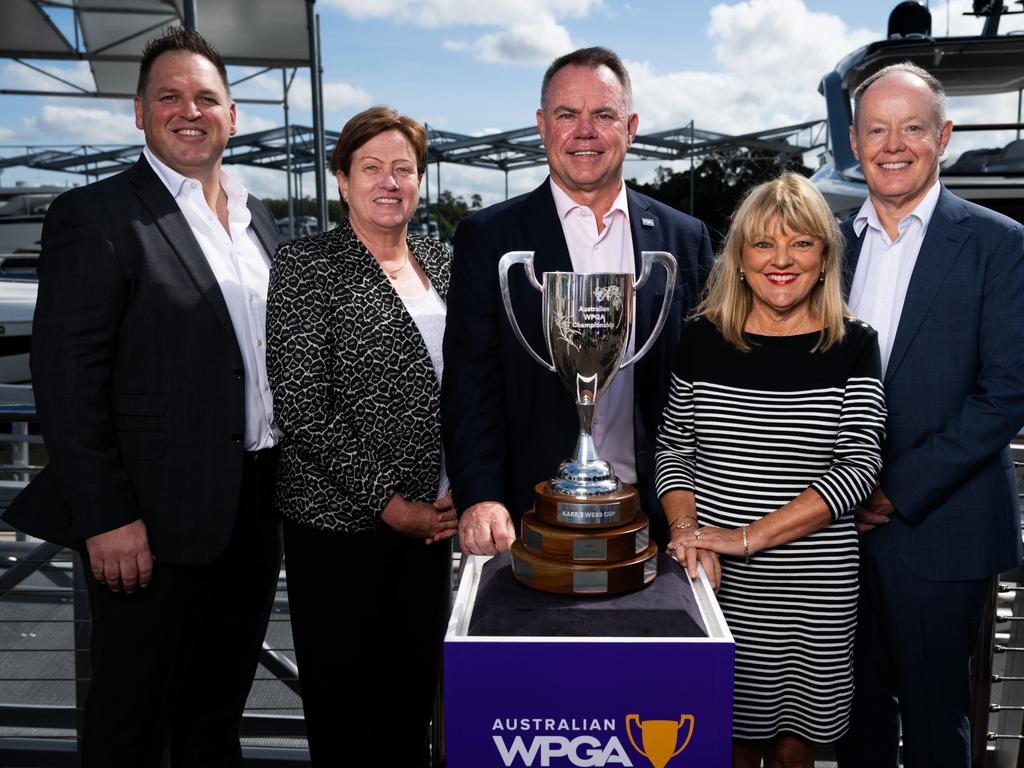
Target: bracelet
pixel 746 548
pixel 683 523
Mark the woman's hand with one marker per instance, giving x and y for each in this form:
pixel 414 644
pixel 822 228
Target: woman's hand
pixel 689 556
pixel 430 522
pixel 724 541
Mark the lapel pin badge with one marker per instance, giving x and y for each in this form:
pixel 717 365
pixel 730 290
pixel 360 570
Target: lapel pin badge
pixel 648 223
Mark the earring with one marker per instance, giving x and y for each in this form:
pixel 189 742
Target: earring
pixel 821 279
pixel 740 275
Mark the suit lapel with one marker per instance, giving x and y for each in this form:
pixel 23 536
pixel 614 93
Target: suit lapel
pixel 644 227
pixel 942 244
pixel 263 225
pixel 853 248
pixel 551 254
pixel 178 233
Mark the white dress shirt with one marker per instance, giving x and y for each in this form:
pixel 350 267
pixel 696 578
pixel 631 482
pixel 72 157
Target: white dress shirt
pixel 609 251
pixel 242 269
pixel 885 267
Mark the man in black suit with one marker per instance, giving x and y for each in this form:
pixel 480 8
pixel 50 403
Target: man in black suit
pixel 942 281
pixel 149 377
pixel 507 421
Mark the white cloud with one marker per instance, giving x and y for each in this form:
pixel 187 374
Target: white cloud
pixel 74 124
pixel 18 76
pixel 250 123
pixel 336 95
pixel 534 42
pixel 770 56
pixel 339 96
pixel 443 13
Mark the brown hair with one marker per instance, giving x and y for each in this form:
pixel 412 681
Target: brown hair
pixel 593 58
pixel 179 39
pixel 371 122
pixel 790 201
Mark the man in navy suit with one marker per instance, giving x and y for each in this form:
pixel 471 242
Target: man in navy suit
pixel 942 281
pixel 507 421
pixel 149 376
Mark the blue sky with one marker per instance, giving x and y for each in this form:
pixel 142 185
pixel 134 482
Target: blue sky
pixel 474 66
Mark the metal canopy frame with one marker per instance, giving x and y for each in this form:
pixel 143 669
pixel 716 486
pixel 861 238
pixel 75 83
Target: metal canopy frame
pixel 110 35
pixel 294 148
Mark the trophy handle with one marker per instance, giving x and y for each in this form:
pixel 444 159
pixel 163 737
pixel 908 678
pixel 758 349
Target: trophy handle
pixel 526 259
pixel 689 735
pixel 649 259
pixel 629 733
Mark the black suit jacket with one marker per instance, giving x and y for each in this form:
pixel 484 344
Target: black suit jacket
pixel 507 422
pixel 137 374
pixel 954 389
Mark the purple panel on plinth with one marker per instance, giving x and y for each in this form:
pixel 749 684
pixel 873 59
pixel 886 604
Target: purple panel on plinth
pixel 569 703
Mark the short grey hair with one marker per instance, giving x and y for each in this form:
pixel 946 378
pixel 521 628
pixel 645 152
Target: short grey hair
pixel 909 68
pixel 592 58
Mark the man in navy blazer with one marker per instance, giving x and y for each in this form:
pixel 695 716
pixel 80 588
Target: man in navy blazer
pixel 942 280
pixel 508 422
pixel 149 376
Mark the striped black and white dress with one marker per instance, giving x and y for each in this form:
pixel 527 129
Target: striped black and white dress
pixel 747 432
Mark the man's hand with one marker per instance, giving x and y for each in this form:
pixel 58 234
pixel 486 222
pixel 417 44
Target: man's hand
pixel 121 557
pixel 430 522
pixel 875 511
pixel 486 529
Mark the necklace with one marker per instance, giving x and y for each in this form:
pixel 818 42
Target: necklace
pixel 393 273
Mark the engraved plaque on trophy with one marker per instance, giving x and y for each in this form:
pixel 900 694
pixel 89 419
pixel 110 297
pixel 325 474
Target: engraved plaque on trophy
pixel 586 534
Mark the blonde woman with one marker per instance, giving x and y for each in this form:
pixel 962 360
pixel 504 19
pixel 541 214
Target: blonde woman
pixel 772 433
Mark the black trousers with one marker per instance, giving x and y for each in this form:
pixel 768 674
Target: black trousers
pixel 172 664
pixel 911 666
pixel 368 614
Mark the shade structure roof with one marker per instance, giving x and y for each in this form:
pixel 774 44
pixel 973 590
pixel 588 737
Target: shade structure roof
pixel 110 34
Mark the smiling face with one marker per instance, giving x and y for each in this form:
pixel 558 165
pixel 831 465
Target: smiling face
pixel 382 187
pixel 782 267
pixel 586 126
pixel 898 141
pixel 186 113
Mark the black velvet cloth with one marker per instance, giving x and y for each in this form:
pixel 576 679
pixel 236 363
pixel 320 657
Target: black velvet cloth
pixel 504 607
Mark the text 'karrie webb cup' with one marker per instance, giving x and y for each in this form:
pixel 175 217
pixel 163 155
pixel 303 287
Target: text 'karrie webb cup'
pixel 587 321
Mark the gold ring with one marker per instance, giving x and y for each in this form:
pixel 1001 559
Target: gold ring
pixel 696 534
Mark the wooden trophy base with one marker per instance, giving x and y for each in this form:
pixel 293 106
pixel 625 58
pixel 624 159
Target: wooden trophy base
pixel 578 579
pixel 603 545
pixel 605 510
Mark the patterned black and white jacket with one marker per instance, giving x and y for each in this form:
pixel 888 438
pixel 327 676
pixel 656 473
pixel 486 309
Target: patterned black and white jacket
pixel 355 393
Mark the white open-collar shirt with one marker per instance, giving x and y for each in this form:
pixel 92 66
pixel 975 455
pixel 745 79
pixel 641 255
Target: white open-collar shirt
pixel 242 270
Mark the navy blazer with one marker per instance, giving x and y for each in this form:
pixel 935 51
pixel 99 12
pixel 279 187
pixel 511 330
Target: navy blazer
pixel 137 374
pixel 955 393
pixel 507 422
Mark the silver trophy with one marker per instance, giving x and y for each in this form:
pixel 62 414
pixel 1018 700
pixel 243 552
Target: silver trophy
pixel 588 321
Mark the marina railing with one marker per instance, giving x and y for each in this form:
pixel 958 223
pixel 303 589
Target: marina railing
pixel 45 627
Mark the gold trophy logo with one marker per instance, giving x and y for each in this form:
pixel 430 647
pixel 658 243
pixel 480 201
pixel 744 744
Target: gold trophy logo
pixel 659 738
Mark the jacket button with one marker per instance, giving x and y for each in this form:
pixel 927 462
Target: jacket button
pixel 236 437
pixel 237 373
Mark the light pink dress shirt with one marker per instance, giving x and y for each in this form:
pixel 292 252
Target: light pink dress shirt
pixel 609 251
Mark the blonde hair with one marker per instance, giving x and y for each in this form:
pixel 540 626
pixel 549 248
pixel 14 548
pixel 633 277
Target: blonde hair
pixel 791 202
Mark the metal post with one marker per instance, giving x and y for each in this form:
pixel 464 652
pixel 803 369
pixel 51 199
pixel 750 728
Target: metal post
pixel 426 167
pixel 506 183
pixel 693 174
pixel 315 76
pixel 288 158
pixel 1020 93
pixel 19 450
pixel 82 632
pixel 189 8
pixel 439 181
